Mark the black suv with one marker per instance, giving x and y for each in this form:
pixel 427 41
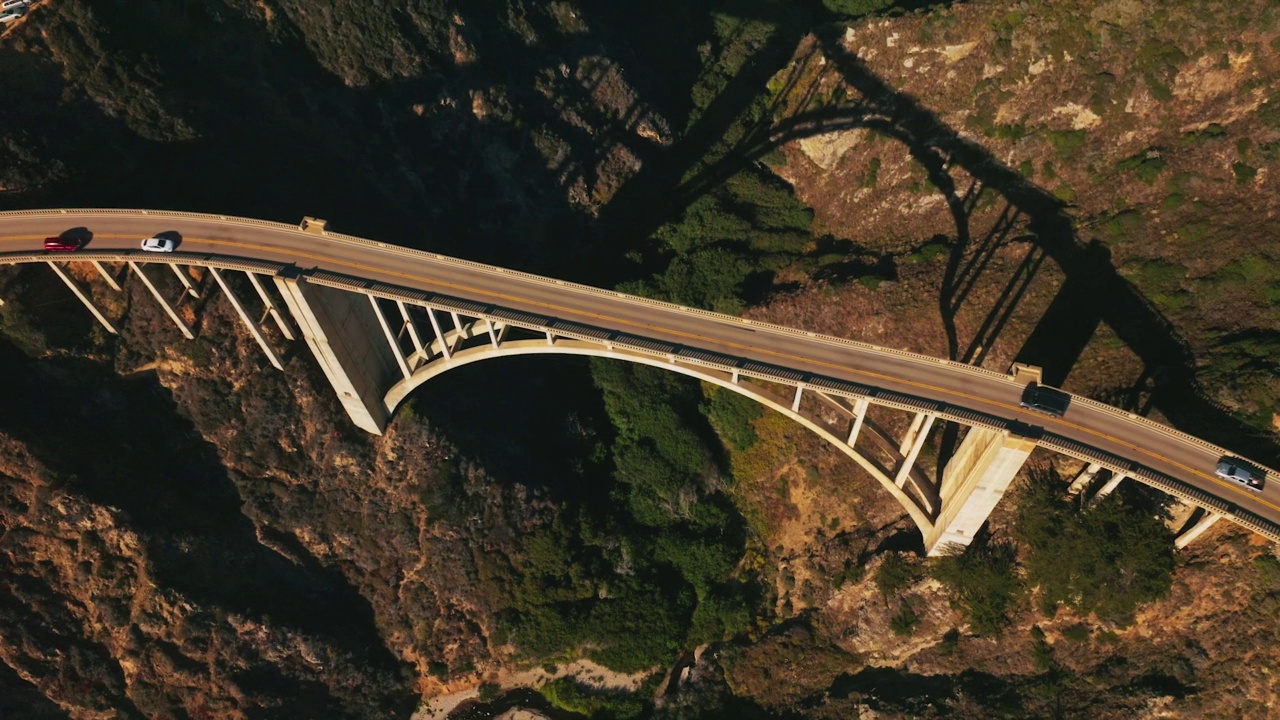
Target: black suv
pixel 1041 398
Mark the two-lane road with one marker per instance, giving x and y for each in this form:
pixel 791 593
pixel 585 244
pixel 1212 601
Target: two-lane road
pixel 1108 429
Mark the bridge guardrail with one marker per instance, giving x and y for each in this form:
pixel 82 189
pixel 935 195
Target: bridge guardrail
pixel 669 307
pixel 1170 485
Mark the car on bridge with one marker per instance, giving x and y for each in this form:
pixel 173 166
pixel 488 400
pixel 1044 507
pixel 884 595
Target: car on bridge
pixel 1230 468
pixel 1044 399
pixel 63 243
pixel 159 244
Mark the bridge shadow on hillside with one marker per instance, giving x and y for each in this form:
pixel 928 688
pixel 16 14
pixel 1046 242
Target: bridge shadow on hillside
pixel 130 449
pixel 1093 293
pixel 416 158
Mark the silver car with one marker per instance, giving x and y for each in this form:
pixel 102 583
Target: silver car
pixel 1230 468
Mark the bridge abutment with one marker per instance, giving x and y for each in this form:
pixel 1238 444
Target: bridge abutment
pixel 347 340
pixel 973 482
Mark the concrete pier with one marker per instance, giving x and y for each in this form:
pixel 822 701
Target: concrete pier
pixel 348 342
pixel 973 482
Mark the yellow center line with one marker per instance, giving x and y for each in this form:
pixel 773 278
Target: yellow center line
pixel 678 333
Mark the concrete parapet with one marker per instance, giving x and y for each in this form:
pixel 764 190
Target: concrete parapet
pixel 973 482
pixel 347 340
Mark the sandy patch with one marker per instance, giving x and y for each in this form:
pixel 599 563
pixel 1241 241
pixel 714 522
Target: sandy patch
pixel 583 671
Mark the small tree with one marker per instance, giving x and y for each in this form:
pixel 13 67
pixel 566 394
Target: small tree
pixel 982 582
pixel 895 574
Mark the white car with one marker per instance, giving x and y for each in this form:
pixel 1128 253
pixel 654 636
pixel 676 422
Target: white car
pixel 158 244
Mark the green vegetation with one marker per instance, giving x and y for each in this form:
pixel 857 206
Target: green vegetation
pixel 1122 224
pixel 1160 280
pixel 905 621
pixel 16 326
pixel 1158 62
pixel 896 574
pixel 1147 166
pixel 1041 650
pixel 731 415
pixel 927 252
pixel 983 583
pixel 872 175
pixel 1244 173
pixel 1076 633
pixel 1209 132
pixel 566 694
pixel 1066 142
pixel 950 642
pixel 750 225
pixel 1106 560
pixel 858 8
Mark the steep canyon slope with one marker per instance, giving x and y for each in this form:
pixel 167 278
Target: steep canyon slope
pixel 185 532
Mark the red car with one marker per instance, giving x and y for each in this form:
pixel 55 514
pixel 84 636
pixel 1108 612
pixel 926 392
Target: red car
pixel 63 244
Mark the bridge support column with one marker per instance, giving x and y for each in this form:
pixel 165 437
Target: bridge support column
pixel 1105 490
pixel 393 342
pixel 271 307
pixel 185 280
pixel 918 434
pixel 973 482
pixel 254 330
pixel 445 350
pixel 859 414
pixel 493 335
pixel 342 331
pixel 155 292
pixel 111 280
pixel 75 288
pixel 413 331
pixel 1082 480
pixel 910 437
pixel 795 404
pixel 1189 535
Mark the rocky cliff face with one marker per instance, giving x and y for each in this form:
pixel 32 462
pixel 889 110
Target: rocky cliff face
pixel 186 533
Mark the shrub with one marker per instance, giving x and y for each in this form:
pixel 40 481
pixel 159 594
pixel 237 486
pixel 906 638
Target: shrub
pixel 1146 165
pixel 905 621
pixel 950 641
pixel 731 415
pixel 857 8
pixel 1244 173
pixel 982 583
pixel 1041 650
pixel 872 175
pixel 1065 142
pixel 1107 560
pixel 566 694
pixel 1076 633
pixel 896 574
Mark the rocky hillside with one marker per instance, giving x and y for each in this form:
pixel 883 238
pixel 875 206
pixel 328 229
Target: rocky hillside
pixel 187 533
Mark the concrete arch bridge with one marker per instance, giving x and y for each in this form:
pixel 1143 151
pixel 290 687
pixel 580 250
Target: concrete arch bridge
pixel 382 320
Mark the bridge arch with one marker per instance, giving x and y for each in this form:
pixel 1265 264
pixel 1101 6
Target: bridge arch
pixel 918 511
pixel 338 293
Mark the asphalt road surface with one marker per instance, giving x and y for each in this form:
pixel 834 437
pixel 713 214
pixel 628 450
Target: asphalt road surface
pixel 1105 428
